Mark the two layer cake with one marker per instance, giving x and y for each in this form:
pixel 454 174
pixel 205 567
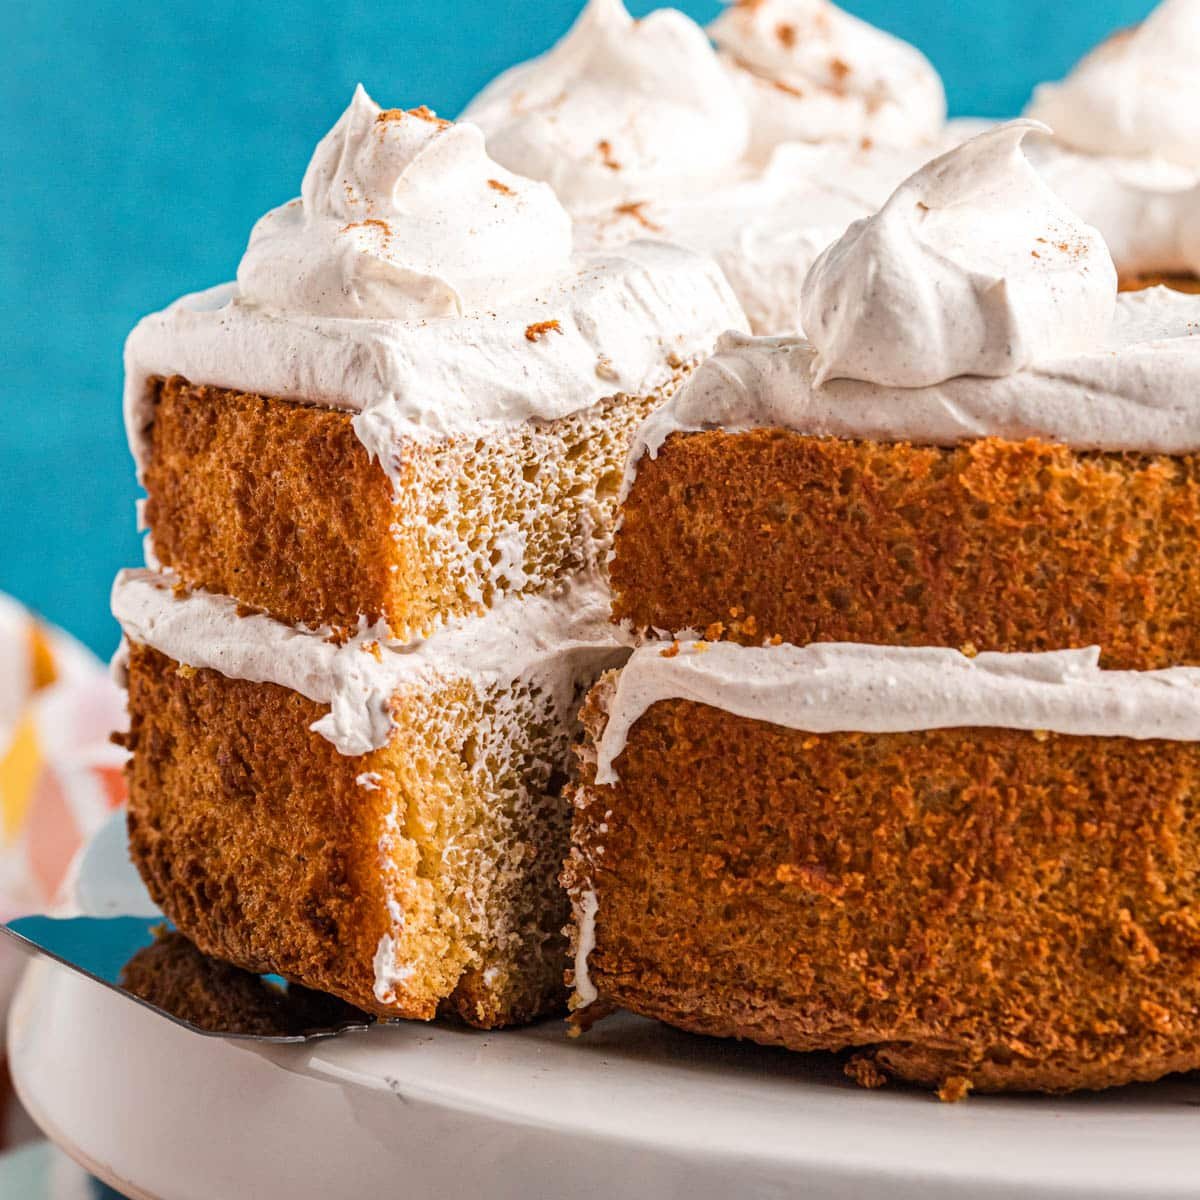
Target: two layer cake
pixel 381 474
pixel 890 795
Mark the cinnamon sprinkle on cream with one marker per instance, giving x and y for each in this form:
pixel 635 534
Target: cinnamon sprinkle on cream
pixel 635 210
pixel 786 34
pixel 537 331
pixel 606 154
pixel 502 188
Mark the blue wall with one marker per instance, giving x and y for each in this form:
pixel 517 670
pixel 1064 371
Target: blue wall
pixel 139 141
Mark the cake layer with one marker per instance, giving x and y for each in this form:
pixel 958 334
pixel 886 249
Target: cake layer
pixel 963 907
pixel 1178 283
pixel 381 822
pixel 280 505
pixel 996 544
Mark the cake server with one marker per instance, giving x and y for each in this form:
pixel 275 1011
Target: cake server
pixel 143 959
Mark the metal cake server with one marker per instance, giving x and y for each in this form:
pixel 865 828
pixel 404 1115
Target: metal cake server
pixel 126 945
pixel 151 964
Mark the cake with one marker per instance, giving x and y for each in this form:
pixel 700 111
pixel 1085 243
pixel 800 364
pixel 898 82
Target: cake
pixel 645 130
pixel 381 472
pixel 1126 150
pixel 969 873
pixel 906 767
pixel 1013 476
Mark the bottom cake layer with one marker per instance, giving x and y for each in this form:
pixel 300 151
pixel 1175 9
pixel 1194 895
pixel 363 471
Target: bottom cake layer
pixel 763 850
pixel 385 824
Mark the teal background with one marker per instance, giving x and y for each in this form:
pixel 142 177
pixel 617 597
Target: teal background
pixel 140 141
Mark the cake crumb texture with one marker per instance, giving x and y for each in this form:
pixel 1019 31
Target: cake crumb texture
pixel 258 840
pixel 1000 545
pixel 966 909
pixel 280 505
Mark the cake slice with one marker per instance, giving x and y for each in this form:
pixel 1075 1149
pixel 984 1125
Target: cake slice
pixel 416 399
pixel 981 445
pixel 972 873
pixel 379 821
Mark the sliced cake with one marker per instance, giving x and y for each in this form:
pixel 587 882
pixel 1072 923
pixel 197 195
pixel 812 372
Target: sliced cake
pixel 416 398
pixel 381 473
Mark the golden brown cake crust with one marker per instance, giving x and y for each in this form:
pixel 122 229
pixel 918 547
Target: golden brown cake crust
pixel 969 908
pixel 279 505
pixel 999 545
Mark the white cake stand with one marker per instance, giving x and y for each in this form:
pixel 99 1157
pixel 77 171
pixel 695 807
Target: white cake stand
pixel 632 1109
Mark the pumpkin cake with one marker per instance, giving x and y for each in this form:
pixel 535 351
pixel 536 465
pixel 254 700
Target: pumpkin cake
pixel 381 474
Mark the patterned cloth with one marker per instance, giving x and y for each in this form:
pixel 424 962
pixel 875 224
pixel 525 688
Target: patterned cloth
pixel 60 776
pixel 59 773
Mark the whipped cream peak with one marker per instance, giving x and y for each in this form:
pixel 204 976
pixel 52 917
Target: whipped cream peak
pixel 1135 95
pixel 404 215
pixel 619 110
pixel 973 267
pixel 811 72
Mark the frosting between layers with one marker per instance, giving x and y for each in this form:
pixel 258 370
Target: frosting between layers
pixel 549 641
pixel 618 110
pixel 845 687
pixel 625 321
pixel 1139 392
pixel 973 267
pixel 810 72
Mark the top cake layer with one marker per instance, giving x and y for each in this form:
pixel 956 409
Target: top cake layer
pixel 416 398
pixel 980 444
pixel 431 292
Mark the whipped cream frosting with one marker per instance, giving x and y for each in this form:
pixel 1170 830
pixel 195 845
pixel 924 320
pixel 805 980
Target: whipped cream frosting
pixel 618 110
pixel 425 331
pixel 1138 391
pixel 547 641
pixel 766 231
pixel 1145 208
pixel 973 267
pixel 1137 95
pixel 845 687
pixel 811 72
pixel 403 215
pixel 1126 155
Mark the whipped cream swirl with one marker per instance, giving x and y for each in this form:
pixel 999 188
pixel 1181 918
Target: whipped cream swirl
pixel 811 72
pixel 973 267
pixel 403 215
pixel 1136 95
pixel 618 111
